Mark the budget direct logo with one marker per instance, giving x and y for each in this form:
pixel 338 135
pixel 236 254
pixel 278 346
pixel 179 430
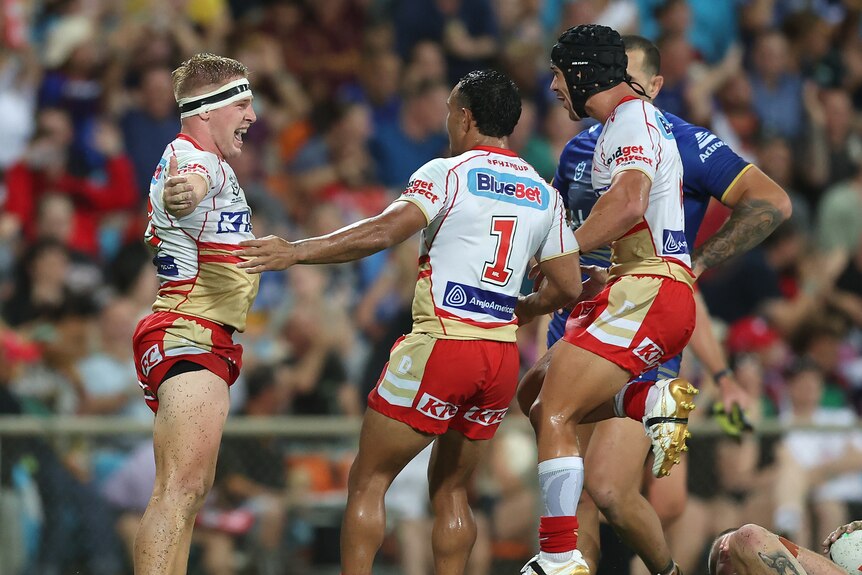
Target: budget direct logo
pixel 507 188
pixel 626 154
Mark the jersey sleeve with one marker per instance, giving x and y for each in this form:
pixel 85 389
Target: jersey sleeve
pixel 427 189
pixel 559 240
pixel 631 140
pixel 200 163
pixel 710 164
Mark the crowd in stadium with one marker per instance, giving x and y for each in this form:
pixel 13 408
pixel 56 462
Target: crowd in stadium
pixel 351 99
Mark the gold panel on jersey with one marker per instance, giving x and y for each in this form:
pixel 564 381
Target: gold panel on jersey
pixel 629 301
pixel 184 332
pixel 405 370
pixel 222 293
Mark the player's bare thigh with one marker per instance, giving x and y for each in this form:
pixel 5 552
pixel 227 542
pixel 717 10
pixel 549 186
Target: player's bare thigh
pixel 188 428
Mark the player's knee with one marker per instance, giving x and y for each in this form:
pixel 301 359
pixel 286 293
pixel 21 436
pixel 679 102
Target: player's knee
pixel 609 498
pixel 187 491
pixel 749 536
pixel 552 419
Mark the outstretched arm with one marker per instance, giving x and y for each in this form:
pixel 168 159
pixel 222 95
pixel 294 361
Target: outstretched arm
pixel 759 206
pixel 397 223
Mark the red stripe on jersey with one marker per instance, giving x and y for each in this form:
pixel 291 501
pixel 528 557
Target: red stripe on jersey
pixel 219 259
pixel 642 225
pixel 442 313
pixel 218 246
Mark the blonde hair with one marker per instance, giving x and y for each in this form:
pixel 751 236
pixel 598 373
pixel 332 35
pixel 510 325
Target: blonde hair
pixel 205 69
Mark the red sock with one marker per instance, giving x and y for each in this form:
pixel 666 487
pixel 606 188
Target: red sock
pixel 634 399
pixel 558 534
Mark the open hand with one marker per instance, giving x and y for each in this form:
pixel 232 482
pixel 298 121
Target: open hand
pixel 270 253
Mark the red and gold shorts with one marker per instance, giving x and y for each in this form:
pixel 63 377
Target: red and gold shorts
pixel 164 338
pixel 636 322
pixel 434 385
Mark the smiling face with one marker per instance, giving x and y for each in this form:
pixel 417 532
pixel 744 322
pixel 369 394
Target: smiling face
pixel 228 125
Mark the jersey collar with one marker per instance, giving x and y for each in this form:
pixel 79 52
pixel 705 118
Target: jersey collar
pixel 496 150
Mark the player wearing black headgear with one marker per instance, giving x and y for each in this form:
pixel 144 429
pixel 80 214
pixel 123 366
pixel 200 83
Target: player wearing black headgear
pixel 646 312
pixel 592 59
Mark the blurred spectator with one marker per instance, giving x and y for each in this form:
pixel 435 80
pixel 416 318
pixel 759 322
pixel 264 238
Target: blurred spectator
pixel 834 147
pixel 314 373
pixel 752 284
pixel 19 77
pixel 322 51
pixel 337 158
pixel 832 461
pixel 41 292
pixel 14 353
pixel 427 63
pixel 735 120
pixel 418 136
pixel 56 221
pixel 151 124
pixel 776 87
pixel 819 341
pixel 108 373
pixel 775 157
pixel 45 169
pixel 379 83
pixel 676 59
pixel 839 216
pixel 467 30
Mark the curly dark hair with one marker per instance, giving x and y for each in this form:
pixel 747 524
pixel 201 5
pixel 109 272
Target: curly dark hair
pixel 493 99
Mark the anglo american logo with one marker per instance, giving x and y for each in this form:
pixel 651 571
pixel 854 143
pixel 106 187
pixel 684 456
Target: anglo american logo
pixel 625 154
pixel 508 188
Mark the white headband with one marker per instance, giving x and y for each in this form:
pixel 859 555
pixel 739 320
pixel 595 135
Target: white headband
pixel 218 98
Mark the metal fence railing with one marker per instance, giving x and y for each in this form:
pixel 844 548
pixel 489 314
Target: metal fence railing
pixel 66 469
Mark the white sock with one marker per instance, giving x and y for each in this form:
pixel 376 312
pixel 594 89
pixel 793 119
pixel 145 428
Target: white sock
pixel 561 481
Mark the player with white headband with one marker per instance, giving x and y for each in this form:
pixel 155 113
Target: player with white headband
pixel 184 353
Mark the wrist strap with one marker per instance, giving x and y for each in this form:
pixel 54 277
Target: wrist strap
pixel 719 374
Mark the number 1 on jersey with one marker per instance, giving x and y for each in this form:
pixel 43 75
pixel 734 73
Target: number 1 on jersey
pixel 498 271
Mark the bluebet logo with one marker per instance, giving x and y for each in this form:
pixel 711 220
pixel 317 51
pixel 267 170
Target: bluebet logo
pixel 508 188
pixel 469 298
pixel 674 242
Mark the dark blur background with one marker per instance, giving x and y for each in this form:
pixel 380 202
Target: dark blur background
pixel 350 97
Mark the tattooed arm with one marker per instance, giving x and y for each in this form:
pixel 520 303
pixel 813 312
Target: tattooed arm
pixel 759 206
pixel 780 563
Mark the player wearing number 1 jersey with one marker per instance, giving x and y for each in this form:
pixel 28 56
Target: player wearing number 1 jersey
pixel 483 214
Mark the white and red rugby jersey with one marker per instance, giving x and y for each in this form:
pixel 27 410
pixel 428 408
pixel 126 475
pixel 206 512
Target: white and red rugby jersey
pixel 194 254
pixel 488 213
pixel 638 137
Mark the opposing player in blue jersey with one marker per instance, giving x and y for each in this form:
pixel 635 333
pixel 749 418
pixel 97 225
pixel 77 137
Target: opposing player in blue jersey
pixel 618 448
